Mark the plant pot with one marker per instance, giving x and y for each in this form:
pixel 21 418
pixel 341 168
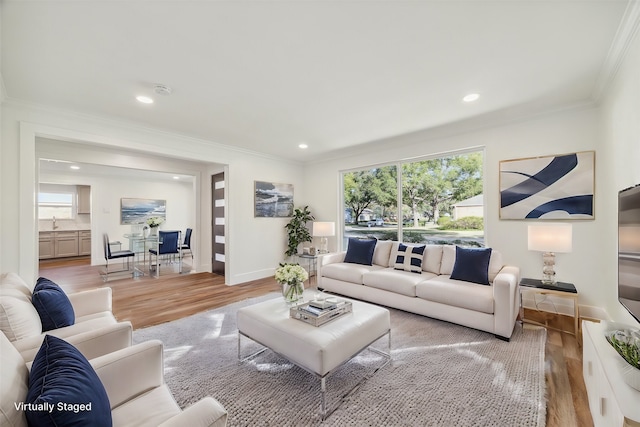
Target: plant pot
pixel 627 340
pixel 292 292
pixel 630 375
pixel 153 231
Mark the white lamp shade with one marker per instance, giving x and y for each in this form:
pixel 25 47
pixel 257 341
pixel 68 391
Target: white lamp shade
pixel 323 229
pixel 550 237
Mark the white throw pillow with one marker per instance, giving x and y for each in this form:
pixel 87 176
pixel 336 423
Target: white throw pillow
pixel 448 259
pixel 18 318
pixel 381 253
pixel 13 282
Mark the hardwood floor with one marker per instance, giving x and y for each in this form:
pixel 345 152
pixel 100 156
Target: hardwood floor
pixel 148 300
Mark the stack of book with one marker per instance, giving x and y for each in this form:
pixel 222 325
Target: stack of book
pixel 318 312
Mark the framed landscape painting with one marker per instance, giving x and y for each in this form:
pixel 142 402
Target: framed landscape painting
pixel 136 211
pixel 548 188
pixel 273 200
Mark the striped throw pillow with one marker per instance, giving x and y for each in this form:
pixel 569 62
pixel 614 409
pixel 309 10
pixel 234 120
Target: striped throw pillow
pixel 409 258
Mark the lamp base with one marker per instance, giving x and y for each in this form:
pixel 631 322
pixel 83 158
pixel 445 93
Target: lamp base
pixel 323 245
pixel 548 273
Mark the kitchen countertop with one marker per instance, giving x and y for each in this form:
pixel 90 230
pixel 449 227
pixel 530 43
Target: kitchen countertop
pixel 62 229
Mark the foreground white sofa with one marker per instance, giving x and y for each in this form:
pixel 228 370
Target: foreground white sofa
pixel 134 381
pixel 493 308
pixel 95 331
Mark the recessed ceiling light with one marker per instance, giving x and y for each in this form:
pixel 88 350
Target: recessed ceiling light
pixel 303 146
pixel 75 167
pixel 471 97
pixel 176 177
pixel 144 99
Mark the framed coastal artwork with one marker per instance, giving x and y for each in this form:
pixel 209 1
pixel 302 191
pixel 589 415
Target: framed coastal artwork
pixel 548 188
pixel 137 211
pixel 273 200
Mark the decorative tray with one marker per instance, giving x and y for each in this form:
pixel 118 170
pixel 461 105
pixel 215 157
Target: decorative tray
pixel 317 317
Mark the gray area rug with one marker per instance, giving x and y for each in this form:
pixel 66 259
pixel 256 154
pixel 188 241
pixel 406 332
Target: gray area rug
pixel 441 375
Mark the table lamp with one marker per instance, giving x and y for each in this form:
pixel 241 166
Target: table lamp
pixel 323 230
pixel 549 239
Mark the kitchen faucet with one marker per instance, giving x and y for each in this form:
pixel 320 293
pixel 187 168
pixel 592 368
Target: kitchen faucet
pixel 54 222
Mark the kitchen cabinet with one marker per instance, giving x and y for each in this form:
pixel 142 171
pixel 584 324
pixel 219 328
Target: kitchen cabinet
pixel 46 248
pixel 84 242
pixel 66 243
pixel 60 244
pixel 84 199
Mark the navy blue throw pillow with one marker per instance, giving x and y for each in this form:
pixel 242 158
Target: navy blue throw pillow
pixel 360 251
pixel 64 389
pixel 53 305
pixel 472 265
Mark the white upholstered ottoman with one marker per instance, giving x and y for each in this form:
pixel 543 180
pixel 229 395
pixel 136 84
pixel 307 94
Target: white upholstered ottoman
pixel 319 350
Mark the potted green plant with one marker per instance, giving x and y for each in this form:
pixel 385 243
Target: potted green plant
pixel 626 342
pixel 297 231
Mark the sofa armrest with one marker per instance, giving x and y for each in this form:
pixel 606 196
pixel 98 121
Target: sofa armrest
pixel 206 412
pixel 130 372
pixel 326 259
pixel 506 296
pixel 332 258
pixel 91 301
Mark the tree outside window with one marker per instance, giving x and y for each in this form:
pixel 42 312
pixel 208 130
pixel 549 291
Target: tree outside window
pixel 434 207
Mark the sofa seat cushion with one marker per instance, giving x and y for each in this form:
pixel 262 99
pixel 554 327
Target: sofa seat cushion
pixel 148 409
pixel 348 272
pixel 444 290
pixel 102 314
pixel 400 282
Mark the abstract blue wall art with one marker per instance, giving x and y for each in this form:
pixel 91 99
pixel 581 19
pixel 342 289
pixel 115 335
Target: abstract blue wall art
pixel 550 187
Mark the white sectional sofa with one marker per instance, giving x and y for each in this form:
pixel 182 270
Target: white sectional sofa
pixel 491 307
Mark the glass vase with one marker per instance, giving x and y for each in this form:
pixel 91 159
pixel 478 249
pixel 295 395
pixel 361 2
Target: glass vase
pixel 292 292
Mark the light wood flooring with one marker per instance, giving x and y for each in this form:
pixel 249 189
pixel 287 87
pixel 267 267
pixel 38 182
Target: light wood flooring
pixel 149 300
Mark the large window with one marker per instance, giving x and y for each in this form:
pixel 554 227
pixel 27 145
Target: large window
pixel 58 204
pixel 440 201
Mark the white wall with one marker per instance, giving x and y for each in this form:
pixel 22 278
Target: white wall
pixel 562 132
pixel 255 245
pixel 621 143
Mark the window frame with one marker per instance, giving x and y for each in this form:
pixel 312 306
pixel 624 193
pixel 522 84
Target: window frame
pixel 399 203
pixel 71 190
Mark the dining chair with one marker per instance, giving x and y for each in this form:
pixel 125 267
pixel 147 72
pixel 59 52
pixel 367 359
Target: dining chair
pixel 109 255
pixel 168 244
pixel 186 245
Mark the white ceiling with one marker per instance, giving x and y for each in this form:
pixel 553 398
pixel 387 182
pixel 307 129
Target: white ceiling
pixel 268 75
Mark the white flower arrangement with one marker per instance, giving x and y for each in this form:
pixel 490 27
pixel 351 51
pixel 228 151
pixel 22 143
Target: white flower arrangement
pixel 291 277
pixel 154 221
pixel 291 273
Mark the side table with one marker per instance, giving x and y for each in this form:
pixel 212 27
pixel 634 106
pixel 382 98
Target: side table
pixel 312 269
pixel 559 289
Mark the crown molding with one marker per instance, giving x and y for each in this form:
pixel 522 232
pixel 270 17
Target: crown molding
pixel 627 30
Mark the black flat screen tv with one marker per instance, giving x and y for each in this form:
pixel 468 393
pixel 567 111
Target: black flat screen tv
pixel 629 250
